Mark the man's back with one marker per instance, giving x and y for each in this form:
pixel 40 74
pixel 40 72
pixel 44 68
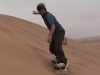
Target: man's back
pixel 50 19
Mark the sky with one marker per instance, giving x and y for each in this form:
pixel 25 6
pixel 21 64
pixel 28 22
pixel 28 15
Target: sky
pixel 79 18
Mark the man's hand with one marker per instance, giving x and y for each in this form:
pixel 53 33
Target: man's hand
pixel 49 39
pixel 34 12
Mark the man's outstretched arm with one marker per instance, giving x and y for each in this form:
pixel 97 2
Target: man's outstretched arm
pixel 35 12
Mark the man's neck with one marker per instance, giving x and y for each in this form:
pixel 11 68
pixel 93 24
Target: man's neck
pixel 44 14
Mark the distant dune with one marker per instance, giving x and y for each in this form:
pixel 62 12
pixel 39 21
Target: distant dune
pixel 24 51
pixel 93 42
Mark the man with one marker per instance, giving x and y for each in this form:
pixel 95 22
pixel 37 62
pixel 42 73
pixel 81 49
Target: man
pixel 55 37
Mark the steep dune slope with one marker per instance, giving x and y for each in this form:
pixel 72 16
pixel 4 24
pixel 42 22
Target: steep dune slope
pixel 24 51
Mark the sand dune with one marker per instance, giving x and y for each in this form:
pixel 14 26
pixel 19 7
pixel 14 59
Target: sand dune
pixel 24 51
pixel 93 42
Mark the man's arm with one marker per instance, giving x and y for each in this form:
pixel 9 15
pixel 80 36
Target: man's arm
pixel 34 12
pixel 51 33
pixel 50 21
pixel 52 29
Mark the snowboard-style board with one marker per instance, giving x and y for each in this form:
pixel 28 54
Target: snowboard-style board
pixel 61 72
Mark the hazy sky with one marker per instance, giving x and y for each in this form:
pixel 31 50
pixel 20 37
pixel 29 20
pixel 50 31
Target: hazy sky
pixel 80 18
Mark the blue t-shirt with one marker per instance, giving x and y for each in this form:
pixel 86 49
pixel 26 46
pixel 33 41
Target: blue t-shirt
pixel 50 19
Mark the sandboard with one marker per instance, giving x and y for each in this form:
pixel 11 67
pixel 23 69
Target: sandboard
pixel 61 72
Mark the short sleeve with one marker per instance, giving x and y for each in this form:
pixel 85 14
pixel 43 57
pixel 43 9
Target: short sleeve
pixel 50 19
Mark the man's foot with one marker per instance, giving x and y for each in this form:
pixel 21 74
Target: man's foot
pixel 61 66
pixel 54 61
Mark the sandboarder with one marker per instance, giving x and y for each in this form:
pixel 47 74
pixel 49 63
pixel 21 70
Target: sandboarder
pixel 55 37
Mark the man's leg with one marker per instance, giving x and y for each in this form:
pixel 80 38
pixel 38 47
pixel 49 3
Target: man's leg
pixel 51 47
pixel 52 50
pixel 58 38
